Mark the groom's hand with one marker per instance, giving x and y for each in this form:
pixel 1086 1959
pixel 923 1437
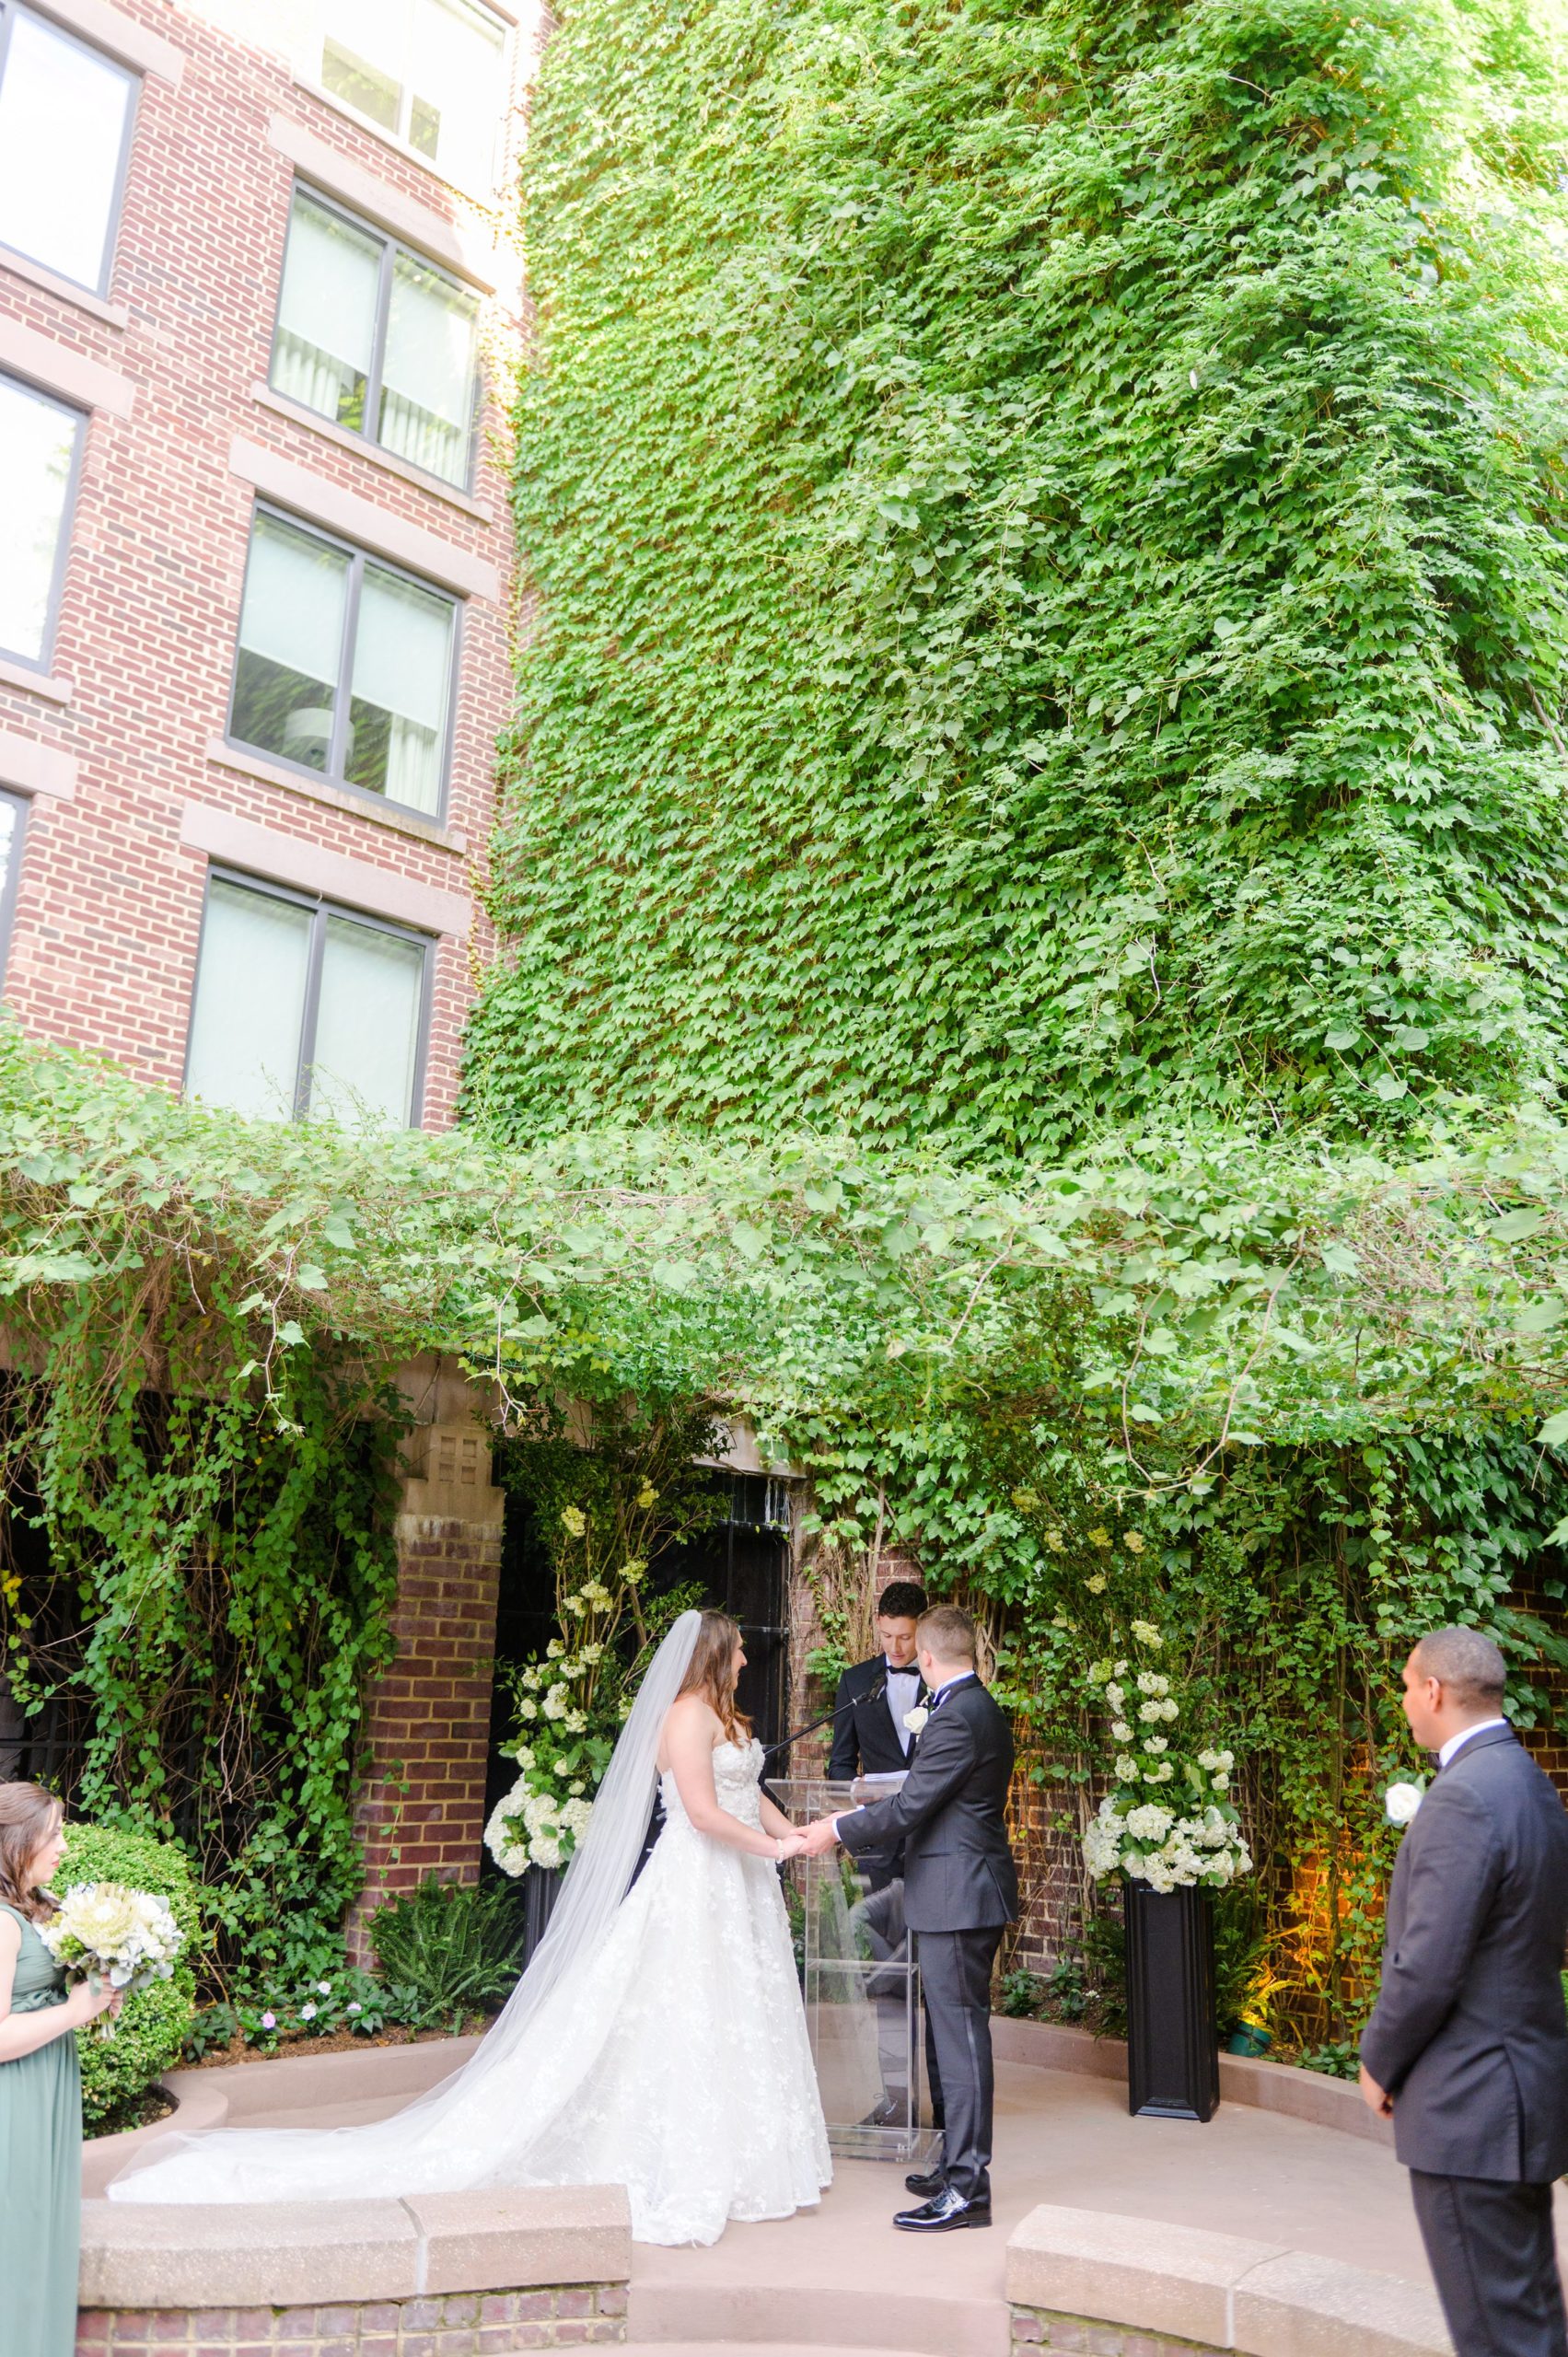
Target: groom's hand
pixel 1376 2099
pixel 820 1838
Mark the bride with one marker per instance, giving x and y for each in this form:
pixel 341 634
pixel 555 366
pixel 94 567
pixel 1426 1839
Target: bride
pixel 657 2039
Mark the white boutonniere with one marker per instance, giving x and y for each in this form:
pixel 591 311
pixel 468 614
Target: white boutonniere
pixel 916 1720
pixel 1402 1801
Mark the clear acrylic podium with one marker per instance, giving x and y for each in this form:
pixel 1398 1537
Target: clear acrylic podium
pixel 860 1985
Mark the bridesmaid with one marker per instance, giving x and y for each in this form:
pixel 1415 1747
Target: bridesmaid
pixel 40 2088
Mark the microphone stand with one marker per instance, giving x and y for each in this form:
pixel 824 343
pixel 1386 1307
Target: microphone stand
pixel 873 1695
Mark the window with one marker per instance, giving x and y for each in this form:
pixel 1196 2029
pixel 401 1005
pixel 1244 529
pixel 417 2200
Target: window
pixel 39 449
pixel 302 1008
pixel 13 813
pixel 64 133
pixel 376 339
pixel 344 666
pixel 431 72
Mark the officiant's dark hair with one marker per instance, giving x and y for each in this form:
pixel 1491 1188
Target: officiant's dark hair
pixel 29 1817
pixel 711 1673
pixel 901 1600
pixel 947 1631
pixel 1469 1665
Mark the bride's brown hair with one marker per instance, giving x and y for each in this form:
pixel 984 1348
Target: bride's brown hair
pixel 29 1817
pixel 711 1674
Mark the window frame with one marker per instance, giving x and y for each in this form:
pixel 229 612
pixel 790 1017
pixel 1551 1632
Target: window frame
pixel 42 661
pixel 487 188
pixel 321 909
pixel 392 244
pixel 23 804
pixel 359 557
pixel 9 11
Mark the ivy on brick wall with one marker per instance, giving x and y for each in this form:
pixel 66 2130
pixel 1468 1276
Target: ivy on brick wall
pixel 1047 527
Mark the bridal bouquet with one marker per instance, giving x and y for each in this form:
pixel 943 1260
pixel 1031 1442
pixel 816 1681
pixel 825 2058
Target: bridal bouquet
pixel 1169 1820
pixel 105 1931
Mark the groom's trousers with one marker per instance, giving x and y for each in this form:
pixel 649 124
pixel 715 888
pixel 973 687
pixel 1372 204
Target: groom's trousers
pixel 955 1975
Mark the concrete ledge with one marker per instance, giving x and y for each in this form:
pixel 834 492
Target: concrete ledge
pixel 246 2254
pixel 1218 2292
pixel 1263 2085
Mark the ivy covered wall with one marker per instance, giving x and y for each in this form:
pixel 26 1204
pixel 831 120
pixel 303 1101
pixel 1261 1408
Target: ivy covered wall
pixel 1048 523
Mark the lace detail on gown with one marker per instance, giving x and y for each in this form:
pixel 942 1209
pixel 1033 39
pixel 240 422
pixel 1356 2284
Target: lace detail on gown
pixel 677 2065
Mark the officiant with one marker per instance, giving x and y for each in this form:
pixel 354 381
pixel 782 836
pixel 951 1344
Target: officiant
pixel 874 1699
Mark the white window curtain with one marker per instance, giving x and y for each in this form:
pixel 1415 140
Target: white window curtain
pixel 248 1015
pixel 295 592
pixel 62 113
pixel 402 665
pixel 367 1026
pixel 38 443
pixel 325 333
pixel 428 372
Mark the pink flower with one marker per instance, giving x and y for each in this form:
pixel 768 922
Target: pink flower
pixel 269 2021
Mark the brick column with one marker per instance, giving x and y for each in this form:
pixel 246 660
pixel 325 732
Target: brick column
pixel 429 1718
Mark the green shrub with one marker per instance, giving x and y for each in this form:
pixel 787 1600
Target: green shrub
pixel 453 1947
pixel 152 2030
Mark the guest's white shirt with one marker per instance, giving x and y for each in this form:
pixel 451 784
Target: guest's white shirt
pixel 1457 1742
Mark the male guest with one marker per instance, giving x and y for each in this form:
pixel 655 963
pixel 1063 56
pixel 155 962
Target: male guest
pixel 961 1889
pixel 1468 2046
pixel 873 1701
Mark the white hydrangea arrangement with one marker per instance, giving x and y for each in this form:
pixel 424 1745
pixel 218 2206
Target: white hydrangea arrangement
pixel 1170 1821
pixel 105 1931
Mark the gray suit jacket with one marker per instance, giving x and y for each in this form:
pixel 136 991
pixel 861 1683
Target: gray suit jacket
pixel 950 1814
pixel 1468 2034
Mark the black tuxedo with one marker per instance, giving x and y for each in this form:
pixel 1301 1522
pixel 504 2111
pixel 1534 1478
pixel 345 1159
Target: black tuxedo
pixel 1469 2035
pixel 961 1889
pixel 866 1742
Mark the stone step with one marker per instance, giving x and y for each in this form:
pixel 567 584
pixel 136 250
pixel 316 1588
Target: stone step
pixel 749 2319
pixel 757 2349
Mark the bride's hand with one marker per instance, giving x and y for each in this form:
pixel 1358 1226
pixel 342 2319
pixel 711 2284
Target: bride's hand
pixel 791 1844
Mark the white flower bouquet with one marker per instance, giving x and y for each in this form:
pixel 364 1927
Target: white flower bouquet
pixel 103 1931
pixel 1170 1821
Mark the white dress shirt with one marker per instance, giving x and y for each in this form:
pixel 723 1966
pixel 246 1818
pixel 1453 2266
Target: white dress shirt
pixel 1457 1742
pixel 903 1685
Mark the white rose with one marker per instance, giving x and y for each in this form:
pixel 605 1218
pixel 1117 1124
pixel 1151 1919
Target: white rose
pixel 1402 1801
pixel 916 1720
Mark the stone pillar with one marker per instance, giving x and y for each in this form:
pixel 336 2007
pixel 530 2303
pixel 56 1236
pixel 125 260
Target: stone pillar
pixel 427 1719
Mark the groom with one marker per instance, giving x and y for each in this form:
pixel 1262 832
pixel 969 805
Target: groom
pixel 961 1889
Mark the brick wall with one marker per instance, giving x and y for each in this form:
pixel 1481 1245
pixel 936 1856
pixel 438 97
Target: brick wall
pixel 1035 2330
pixel 108 905
pixel 459 2324
pixel 428 1717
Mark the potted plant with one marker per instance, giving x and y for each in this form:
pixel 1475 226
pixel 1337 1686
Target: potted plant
pixel 1171 1829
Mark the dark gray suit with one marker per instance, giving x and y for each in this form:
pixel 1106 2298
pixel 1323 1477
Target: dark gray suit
pixel 960 1890
pixel 1470 2036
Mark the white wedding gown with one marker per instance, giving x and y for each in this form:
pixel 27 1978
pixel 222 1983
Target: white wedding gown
pixel 674 2062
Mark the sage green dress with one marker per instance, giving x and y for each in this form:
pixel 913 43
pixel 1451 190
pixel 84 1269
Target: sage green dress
pixel 41 2170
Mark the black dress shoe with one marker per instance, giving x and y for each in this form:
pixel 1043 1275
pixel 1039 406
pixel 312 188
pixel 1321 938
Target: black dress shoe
pixel 943 2214
pixel 925 2185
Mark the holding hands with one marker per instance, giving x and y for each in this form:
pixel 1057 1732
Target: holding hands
pixel 818 1839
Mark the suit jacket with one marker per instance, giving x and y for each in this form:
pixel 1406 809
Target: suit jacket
pixel 1468 2032
pixel 950 1814
pixel 866 1742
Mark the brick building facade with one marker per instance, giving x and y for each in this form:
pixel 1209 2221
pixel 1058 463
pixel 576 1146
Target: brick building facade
pixel 254 654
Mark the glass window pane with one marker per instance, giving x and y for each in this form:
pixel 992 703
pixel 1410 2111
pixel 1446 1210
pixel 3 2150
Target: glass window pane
pixel 62 111
pixel 38 443
pixel 364 47
pixel 285 677
pixel 326 330
pixel 10 840
pixel 245 1025
pixel 458 94
pixel 402 659
pixel 367 1026
pixel 427 376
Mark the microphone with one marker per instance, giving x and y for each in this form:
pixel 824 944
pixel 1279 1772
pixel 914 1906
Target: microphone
pixel 873 1694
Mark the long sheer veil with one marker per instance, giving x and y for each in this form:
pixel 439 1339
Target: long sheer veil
pixel 475 2128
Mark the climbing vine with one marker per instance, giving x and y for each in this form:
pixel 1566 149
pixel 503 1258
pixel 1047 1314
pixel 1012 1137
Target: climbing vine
pixel 1047 527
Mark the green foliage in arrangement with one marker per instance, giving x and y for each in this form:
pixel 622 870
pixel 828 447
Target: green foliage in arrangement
pixel 153 2023
pixel 1049 526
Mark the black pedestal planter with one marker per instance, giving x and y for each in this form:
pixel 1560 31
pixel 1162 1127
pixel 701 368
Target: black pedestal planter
pixel 541 1889
pixel 1173 2058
